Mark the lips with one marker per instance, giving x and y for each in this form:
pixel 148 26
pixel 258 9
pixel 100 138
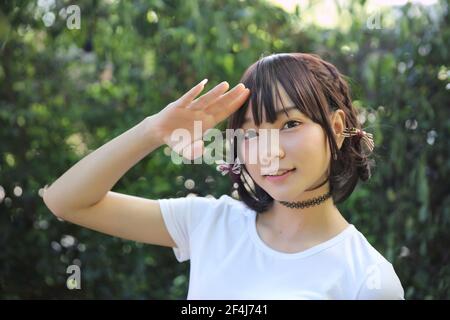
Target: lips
pixel 280 178
pixel 279 173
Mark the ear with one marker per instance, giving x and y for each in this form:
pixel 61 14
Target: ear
pixel 338 126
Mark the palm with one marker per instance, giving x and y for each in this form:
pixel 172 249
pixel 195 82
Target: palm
pixel 209 109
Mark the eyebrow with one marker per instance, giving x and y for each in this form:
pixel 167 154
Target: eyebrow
pixel 287 109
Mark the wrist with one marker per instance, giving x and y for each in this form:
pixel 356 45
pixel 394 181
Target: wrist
pixel 151 130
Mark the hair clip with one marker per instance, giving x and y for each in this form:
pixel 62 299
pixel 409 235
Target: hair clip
pixel 367 138
pixel 225 167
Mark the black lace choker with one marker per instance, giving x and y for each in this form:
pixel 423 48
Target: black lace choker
pixel 310 202
pixel 307 203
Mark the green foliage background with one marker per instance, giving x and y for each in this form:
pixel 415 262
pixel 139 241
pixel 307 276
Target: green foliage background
pixel 66 92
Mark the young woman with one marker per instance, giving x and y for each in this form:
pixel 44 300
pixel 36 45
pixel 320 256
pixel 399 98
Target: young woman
pixel 284 238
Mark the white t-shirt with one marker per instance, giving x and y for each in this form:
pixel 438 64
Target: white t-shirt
pixel 230 261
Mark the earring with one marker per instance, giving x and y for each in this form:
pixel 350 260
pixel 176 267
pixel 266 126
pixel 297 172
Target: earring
pixel 225 167
pixel 365 137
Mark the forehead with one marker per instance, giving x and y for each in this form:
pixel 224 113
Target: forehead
pixel 283 106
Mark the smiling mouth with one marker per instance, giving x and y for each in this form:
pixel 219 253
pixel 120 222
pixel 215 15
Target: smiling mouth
pixel 279 174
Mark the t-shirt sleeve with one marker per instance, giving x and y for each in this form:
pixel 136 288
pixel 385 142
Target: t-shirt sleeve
pixel 381 283
pixel 181 216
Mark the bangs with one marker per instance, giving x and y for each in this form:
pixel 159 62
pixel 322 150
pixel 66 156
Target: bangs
pixel 264 79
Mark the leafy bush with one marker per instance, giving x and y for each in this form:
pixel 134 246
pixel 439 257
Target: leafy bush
pixel 65 92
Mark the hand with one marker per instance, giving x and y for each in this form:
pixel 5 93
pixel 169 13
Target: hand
pixel 211 108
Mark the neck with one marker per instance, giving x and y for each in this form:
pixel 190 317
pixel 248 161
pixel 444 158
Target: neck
pixel 321 220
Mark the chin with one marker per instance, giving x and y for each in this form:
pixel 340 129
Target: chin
pixel 283 196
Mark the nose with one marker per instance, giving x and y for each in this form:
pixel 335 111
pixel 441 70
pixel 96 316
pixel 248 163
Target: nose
pixel 270 151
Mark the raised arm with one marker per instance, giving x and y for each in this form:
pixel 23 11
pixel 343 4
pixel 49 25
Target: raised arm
pixel 82 194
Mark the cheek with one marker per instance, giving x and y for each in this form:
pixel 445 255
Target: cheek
pixel 307 147
pixel 248 150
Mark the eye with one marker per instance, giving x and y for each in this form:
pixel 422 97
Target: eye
pixel 250 134
pixel 291 121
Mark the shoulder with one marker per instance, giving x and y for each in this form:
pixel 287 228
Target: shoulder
pixel 374 275
pixel 193 201
pixel 227 207
pixel 196 209
pixel 226 200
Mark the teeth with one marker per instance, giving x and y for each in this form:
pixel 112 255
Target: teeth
pixel 276 175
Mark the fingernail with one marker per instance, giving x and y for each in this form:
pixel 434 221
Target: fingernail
pixel 204 81
pixel 221 84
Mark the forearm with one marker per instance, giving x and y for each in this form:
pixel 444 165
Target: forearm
pixel 90 179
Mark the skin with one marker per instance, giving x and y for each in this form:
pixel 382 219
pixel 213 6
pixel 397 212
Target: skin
pixel 302 145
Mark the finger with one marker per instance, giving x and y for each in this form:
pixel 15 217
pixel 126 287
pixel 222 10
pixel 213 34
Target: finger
pixel 211 95
pixel 191 94
pixel 224 100
pixel 226 110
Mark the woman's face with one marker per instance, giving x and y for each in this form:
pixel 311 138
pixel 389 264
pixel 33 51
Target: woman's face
pixel 301 145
